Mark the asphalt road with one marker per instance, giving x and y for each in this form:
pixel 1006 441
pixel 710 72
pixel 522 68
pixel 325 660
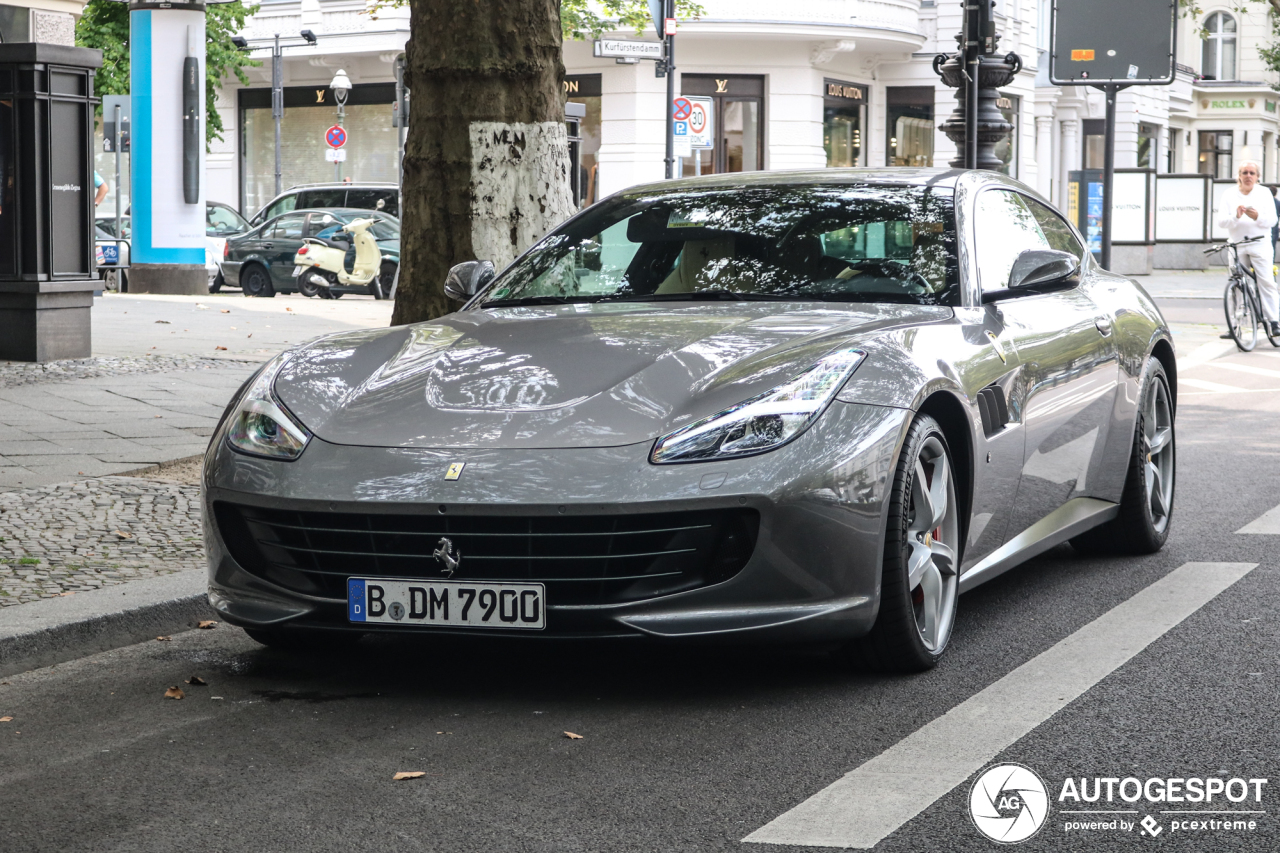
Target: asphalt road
pixel 682 748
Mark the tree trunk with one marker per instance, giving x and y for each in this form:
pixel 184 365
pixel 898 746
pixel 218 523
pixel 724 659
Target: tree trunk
pixel 486 168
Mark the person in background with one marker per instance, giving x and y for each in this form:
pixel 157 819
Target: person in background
pixel 1275 229
pixel 1245 211
pixel 102 188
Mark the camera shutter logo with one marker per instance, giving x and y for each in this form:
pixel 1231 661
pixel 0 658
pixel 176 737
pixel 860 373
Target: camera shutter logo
pixel 1009 803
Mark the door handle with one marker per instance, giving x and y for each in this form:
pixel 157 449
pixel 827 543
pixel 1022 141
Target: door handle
pixel 1104 325
pixel 268 245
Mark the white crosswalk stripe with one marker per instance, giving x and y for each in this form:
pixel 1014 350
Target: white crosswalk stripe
pixel 1245 368
pixel 1205 385
pixel 866 805
pixel 1267 524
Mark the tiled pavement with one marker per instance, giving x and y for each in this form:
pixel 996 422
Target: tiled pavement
pixel 51 432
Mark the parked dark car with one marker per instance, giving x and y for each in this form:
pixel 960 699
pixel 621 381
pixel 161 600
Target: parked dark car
pixel 260 262
pixel 363 196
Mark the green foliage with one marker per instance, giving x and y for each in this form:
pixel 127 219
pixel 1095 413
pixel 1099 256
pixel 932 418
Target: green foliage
pixel 105 26
pixel 578 18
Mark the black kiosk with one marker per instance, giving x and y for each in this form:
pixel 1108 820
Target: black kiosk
pixel 47 274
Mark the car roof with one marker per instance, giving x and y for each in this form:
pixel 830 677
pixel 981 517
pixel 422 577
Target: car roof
pixel 902 175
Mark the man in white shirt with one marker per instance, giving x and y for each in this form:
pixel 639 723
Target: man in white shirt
pixel 1246 211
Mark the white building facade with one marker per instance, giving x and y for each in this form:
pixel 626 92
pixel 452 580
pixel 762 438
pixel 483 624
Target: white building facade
pixel 808 84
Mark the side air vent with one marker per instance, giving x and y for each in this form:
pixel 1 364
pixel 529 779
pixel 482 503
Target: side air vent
pixel 994 409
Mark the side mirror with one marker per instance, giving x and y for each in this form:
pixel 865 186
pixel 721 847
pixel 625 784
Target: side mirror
pixel 467 278
pixel 1038 271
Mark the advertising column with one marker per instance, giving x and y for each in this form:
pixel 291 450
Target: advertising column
pixel 166 55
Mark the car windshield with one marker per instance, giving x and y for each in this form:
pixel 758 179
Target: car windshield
pixel 385 228
pixel 864 243
pixel 222 221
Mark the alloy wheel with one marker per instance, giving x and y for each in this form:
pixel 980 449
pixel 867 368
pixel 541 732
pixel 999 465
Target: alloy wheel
pixel 932 540
pixel 1157 436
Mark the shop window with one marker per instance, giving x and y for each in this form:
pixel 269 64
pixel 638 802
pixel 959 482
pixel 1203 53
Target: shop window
pixel 843 120
pixel 585 89
pixel 1007 147
pixel 1218 49
pixel 909 125
pixel 371 140
pixel 1146 145
pixel 1215 154
pixel 738 101
pixel 1095 143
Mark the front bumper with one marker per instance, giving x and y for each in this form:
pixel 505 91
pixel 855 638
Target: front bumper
pixel 814 573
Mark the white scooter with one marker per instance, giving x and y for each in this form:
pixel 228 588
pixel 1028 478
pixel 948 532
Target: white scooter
pixel 321 264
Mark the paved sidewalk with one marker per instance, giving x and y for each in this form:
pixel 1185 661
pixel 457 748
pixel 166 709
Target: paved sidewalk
pixel 163 370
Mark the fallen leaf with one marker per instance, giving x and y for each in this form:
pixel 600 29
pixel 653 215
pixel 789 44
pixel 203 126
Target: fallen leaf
pixel 233 328
pixel 164 639
pixel 251 334
pixel 65 594
pixel 173 693
pixel 197 681
pixel 207 623
pixel 572 736
pixel 288 309
pixel 220 348
pixel 124 535
pixel 164 322
pixel 408 774
pixel 159 416
pixel 226 310
pixel 6 719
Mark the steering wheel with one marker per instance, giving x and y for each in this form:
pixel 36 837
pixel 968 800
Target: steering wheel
pixel 892 269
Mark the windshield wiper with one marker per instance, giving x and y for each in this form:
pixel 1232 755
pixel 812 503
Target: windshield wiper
pixel 530 300
pixel 695 296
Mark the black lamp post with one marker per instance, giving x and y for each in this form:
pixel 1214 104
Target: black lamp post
pixel 976 125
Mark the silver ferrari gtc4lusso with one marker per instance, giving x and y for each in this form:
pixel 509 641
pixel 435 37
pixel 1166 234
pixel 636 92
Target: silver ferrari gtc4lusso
pixel 801 406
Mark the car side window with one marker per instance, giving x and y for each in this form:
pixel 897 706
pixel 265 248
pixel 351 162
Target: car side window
pixel 319 222
pixel 368 200
pixel 288 227
pixel 322 198
pixel 1055 229
pixel 284 205
pixel 1004 229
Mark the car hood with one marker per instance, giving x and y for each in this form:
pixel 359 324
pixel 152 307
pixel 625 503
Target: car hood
pixel 597 375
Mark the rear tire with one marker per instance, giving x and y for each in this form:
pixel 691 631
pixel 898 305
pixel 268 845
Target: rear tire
pixel 306 288
pixel 922 552
pixel 217 283
pixel 256 281
pixel 1146 505
pixel 1241 321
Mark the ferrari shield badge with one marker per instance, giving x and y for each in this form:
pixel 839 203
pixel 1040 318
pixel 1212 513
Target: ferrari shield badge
pixel 455 470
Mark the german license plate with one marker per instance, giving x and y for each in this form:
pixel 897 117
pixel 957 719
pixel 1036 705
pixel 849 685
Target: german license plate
pixel 297 271
pixel 449 603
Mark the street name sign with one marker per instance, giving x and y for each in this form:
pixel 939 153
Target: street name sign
pixel 628 49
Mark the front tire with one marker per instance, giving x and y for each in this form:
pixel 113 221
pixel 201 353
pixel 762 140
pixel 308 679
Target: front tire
pixel 380 287
pixel 217 283
pixel 1241 321
pixel 922 549
pixel 1146 506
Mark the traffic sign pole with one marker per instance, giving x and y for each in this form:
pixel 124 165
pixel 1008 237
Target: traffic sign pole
pixel 670 9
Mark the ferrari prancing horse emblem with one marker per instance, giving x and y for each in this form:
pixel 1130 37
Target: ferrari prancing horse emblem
pixel 455 470
pixel 448 556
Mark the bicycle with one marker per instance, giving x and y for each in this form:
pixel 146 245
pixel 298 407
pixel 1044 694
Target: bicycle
pixel 1241 300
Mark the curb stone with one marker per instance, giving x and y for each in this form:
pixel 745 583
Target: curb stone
pixel 57 630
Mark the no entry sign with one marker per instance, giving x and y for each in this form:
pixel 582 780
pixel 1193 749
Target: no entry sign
pixel 336 137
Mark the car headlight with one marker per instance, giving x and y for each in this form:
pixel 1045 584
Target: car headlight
pixel 762 423
pixel 260 426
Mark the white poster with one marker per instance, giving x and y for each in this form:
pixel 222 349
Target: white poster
pixel 1180 211
pixel 1129 208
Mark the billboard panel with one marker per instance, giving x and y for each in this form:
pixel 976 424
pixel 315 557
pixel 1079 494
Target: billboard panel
pixel 1104 41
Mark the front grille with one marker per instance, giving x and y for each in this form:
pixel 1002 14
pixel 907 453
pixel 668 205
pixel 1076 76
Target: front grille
pixel 581 559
